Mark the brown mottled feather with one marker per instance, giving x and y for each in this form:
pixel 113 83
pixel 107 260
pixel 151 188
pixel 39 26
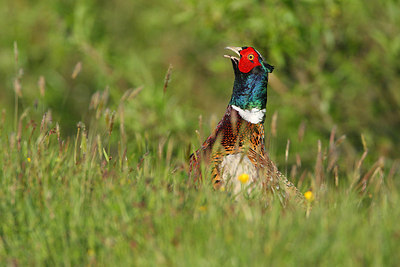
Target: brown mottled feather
pixel 234 135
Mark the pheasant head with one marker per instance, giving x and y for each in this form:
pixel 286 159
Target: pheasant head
pixel 249 96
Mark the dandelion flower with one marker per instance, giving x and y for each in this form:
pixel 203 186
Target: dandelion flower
pixel 29 159
pixel 243 178
pixel 309 196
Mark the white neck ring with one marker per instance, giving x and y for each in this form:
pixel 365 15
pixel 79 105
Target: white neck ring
pixel 253 115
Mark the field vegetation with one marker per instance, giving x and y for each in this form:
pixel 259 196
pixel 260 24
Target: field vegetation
pixel 103 101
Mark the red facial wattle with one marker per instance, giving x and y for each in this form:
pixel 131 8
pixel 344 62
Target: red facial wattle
pixel 249 59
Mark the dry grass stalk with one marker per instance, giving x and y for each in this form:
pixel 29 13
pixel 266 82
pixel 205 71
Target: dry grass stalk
pixel 287 150
pixel 18 87
pixel 131 93
pixel 121 113
pixel 340 140
pixel 24 115
pixel 77 70
pixel 170 148
pixel 201 134
pixel 99 146
pixel 109 119
pixel 46 120
pixel 59 137
pixel 366 179
pixel 161 144
pixel 336 173
pixel 16 52
pixel 298 160
pixel 42 85
pixel 76 143
pixel 357 170
pixel 139 165
pixel 319 172
pixel 332 154
pixel 167 78
pixel 301 131
pixel 301 179
pixel 274 123
pixel 95 100
pixel 213 121
pixel 198 136
pixel 293 172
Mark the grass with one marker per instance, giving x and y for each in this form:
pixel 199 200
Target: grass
pixel 89 200
pixel 96 129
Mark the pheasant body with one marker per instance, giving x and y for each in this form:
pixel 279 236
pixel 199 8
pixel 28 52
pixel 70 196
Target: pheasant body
pixel 236 146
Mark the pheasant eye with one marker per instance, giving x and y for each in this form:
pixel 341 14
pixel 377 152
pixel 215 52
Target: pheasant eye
pixel 251 57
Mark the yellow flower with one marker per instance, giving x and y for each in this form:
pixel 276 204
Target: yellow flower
pixel 90 252
pixel 309 196
pixel 29 159
pixel 203 208
pixel 243 178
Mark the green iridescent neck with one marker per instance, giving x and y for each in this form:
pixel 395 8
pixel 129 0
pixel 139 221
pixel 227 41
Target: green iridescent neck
pixel 250 91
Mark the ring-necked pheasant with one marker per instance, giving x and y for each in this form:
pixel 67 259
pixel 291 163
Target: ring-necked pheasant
pixel 236 146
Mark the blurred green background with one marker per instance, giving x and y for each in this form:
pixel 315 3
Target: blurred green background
pixel 336 64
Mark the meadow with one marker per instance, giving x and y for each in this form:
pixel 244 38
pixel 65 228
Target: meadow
pixel 102 103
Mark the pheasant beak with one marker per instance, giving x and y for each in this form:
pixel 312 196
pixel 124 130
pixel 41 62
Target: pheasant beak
pixel 234 49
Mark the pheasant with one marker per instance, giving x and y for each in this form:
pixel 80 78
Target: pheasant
pixel 236 146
